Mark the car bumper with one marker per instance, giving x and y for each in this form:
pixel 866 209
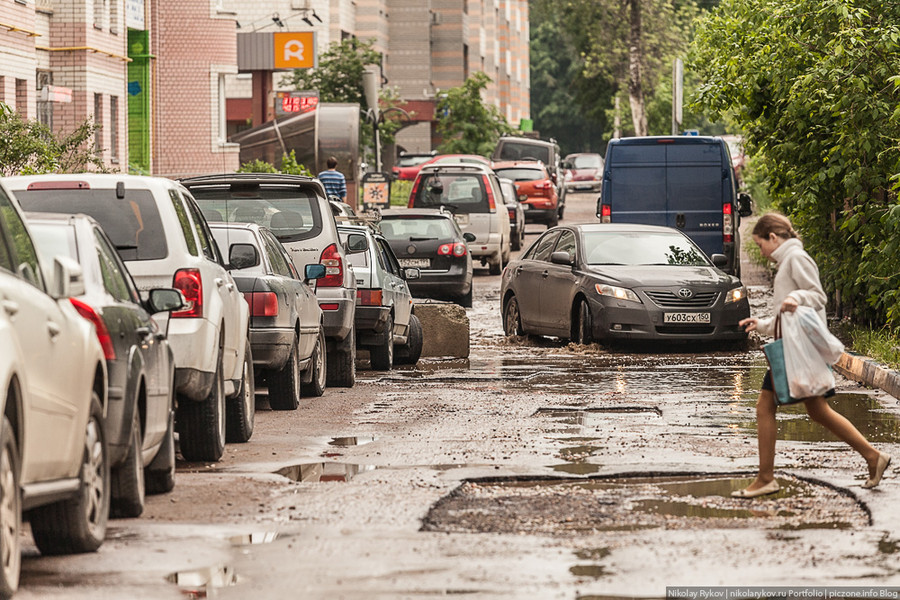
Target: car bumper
pixel 583 186
pixel 370 324
pixel 441 284
pixel 540 215
pixel 337 306
pixel 193 383
pixel 623 320
pixel 490 248
pixel 271 347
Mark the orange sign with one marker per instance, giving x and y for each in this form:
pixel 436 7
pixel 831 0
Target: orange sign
pixel 295 50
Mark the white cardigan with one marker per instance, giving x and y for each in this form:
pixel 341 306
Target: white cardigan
pixel 797 277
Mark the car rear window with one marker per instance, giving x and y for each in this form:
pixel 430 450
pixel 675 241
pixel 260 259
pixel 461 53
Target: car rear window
pixel 291 214
pixel 586 161
pixel 411 161
pixel 462 193
pixel 521 173
pixel 407 228
pixel 132 223
pixel 641 248
pixel 520 151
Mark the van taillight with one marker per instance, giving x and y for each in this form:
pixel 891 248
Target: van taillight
pixel 190 284
pixel 262 304
pixel 727 224
pixel 605 213
pixel 412 194
pixel 490 192
pixel 334 268
pixel 102 332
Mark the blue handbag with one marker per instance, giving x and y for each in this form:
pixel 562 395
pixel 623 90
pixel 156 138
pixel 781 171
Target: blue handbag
pixel 774 352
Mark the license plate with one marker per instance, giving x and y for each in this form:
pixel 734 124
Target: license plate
pixel 414 262
pixel 686 318
pixel 462 219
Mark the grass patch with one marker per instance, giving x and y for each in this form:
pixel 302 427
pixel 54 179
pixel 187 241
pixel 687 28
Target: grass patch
pixel 400 190
pixel 883 345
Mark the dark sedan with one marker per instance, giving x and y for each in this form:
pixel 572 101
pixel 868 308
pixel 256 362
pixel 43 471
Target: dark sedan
pixel 605 282
pixel 141 370
pixel 286 331
pixel 431 241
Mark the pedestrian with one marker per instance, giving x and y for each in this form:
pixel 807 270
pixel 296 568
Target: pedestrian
pixel 796 283
pixel 333 180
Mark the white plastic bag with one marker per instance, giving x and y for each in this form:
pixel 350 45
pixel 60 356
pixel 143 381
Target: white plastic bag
pixel 807 370
pixel 829 347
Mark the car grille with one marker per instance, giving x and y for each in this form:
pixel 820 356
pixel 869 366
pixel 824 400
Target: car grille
pixel 668 299
pixel 685 329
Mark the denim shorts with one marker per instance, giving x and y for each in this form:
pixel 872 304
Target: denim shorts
pixel 767 385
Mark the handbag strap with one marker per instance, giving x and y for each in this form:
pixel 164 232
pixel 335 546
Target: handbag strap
pixel 778 326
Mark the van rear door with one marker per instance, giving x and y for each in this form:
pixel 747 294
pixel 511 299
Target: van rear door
pixel 695 190
pixel 635 183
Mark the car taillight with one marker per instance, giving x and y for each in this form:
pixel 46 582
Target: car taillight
pixel 368 297
pixel 455 249
pixel 727 224
pixel 262 304
pixel 605 213
pixel 512 214
pixel 490 192
pixel 412 194
pixel 542 185
pixel 190 284
pixel 103 336
pixel 334 268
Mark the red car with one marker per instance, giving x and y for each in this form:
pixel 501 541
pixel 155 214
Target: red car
pixel 408 165
pixel 537 193
pixel 584 172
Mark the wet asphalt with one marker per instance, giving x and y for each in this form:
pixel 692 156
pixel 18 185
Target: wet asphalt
pixel 534 469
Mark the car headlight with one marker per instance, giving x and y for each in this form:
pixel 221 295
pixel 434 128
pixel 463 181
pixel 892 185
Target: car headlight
pixel 618 293
pixel 738 293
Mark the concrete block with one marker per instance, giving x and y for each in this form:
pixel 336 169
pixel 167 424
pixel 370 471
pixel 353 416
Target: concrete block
pixel 445 329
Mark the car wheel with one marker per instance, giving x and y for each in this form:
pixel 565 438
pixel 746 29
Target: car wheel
pixel 562 209
pixel 341 363
pixel 242 407
pixel 284 384
pixel 516 242
pixel 507 250
pixel 382 355
pixel 553 221
pixel 409 354
pixel 466 301
pixel 316 385
pixel 159 476
pixel 128 489
pixel 512 320
pixel 79 523
pixel 201 425
pixel 582 331
pixel 495 268
pixel 10 512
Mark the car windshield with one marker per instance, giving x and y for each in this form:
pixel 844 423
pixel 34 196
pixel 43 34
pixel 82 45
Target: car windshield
pixel 132 223
pixel 521 174
pixel 519 151
pixel 641 248
pixel 411 161
pixel 586 161
pixel 291 214
pixel 462 193
pixel 425 228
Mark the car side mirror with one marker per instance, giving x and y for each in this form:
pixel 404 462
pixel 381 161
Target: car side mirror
pixel 469 237
pixel 165 300
pixel 719 260
pixel 356 243
pixel 314 271
pixel 242 256
pixel 68 278
pixel 745 204
pixel 562 258
pixel 568 165
pixel 411 273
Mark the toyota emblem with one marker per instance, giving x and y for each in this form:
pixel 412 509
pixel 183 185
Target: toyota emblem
pixel 410 249
pixel 685 293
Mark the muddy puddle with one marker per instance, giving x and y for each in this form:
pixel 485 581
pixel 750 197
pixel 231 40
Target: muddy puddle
pixel 556 506
pixel 323 471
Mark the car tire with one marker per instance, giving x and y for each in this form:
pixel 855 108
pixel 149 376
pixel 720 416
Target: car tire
pixel 10 512
pixel 512 319
pixel 507 251
pixel 317 383
pixel 582 327
pixel 516 242
pixel 341 363
pixel 128 488
pixel 553 221
pixel 201 425
pixel 409 353
pixel 466 301
pixel 79 524
pixel 560 212
pixel 284 384
pixel 382 355
pixel 495 268
pixel 159 475
pixel 241 409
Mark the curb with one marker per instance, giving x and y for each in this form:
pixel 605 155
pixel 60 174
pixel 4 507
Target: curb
pixel 868 372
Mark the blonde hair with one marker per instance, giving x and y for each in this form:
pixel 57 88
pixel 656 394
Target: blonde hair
pixel 776 223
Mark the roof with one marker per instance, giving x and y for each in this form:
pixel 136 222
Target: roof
pixel 457 167
pixel 415 212
pixel 94 180
pixel 613 227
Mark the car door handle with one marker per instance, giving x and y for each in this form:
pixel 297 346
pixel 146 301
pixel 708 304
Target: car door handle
pixel 143 332
pixel 518 270
pixel 53 328
pixel 10 307
pixel 545 274
pixel 220 282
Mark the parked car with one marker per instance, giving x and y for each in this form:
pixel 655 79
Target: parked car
pixel 584 172
pixel 287 333
pixel 516 213
pixel 596 282
pixel 431 241
pixel 160 233
pixel 296 210
pixel 537 194
pixel 472 193
pixel 686 182
pixel 513 148
pixel 54 461
pixel 385 323
pixel 140 365
pixel 446 159
pixel 409 163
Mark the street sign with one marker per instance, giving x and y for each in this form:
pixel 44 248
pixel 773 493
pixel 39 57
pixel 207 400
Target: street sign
pixel 295 50
pixel 376 190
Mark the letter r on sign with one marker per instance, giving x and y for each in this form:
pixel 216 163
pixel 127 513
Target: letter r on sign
pixel 293 49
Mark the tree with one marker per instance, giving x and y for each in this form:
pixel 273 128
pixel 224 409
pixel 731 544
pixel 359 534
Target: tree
pixel 289 165
pixel 466 124
pixel 339 76
pixel 815 86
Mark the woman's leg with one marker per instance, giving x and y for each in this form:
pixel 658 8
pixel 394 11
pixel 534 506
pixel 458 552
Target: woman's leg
pixel 766 432
pixel 820 412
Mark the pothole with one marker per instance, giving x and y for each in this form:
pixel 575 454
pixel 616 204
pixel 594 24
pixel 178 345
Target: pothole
pixel 557 506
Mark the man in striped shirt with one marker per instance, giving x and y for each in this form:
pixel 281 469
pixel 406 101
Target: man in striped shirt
pixel 333 180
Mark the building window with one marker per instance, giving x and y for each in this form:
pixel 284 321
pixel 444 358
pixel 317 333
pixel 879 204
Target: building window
pixel 114 128
pixel 22 97
pixel 98 122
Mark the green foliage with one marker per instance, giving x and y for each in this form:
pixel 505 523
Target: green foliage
pixel 339 75
pixel 257 166
pixel 815 87
pixel 30 148
pixel 400 190
pixel 881 344
pixel 466 124
pixel 289 166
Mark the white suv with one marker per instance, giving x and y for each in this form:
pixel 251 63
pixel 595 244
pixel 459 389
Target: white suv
pixel 54 459
pixel 161 235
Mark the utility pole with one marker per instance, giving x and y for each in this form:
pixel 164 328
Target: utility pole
pixel 677 95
